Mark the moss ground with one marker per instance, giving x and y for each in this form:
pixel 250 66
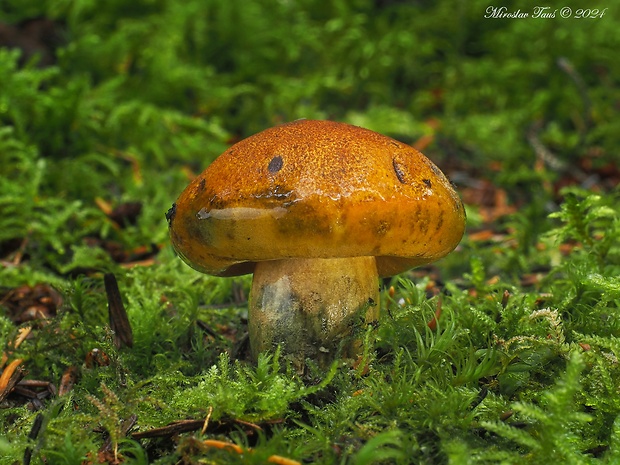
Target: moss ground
pixel 506 351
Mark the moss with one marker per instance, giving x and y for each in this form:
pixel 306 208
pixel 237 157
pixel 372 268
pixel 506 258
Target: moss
pixel 506 351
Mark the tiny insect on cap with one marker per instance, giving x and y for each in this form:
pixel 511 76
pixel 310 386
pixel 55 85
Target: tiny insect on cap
pixel 316 189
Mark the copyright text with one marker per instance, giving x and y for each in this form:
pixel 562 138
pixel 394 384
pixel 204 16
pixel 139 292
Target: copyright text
pixel 544 12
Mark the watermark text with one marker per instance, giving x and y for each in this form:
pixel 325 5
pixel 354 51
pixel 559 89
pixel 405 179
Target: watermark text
pixel 543 12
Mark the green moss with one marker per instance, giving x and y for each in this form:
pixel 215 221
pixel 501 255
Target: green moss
pixel 506 352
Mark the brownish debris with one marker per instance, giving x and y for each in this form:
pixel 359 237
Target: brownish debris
pixel 68 380
pixel 11 375
pixel 139 255
pixel 123 214
pixel 492 200
pixel 34 37
pixel 31 303
pixel 218 427
pixel 119 322
pixel 96 358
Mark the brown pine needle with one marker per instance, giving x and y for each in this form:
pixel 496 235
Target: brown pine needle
pixel 277 459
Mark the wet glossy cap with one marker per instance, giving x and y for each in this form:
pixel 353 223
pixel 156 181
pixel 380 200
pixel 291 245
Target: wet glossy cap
pixel 316 189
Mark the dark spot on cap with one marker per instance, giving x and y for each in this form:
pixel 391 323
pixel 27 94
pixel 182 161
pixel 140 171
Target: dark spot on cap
pixel 423 225
pixel 383 228
pixel 436 170
pixel 203 214
pixel 202 184
pixel 427 182
pixel 400 172
pixel 170 213
pixel 275 164
pixel 439 221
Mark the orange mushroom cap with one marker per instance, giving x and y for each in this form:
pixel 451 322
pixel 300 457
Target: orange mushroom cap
pixel 316 189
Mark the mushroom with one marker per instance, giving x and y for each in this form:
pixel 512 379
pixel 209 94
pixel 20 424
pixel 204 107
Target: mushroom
pixel 318 211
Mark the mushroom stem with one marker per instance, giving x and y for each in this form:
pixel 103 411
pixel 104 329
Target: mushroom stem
pixel 313 308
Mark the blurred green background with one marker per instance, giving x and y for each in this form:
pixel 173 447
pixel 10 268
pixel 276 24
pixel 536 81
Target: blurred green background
pixel 115 99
